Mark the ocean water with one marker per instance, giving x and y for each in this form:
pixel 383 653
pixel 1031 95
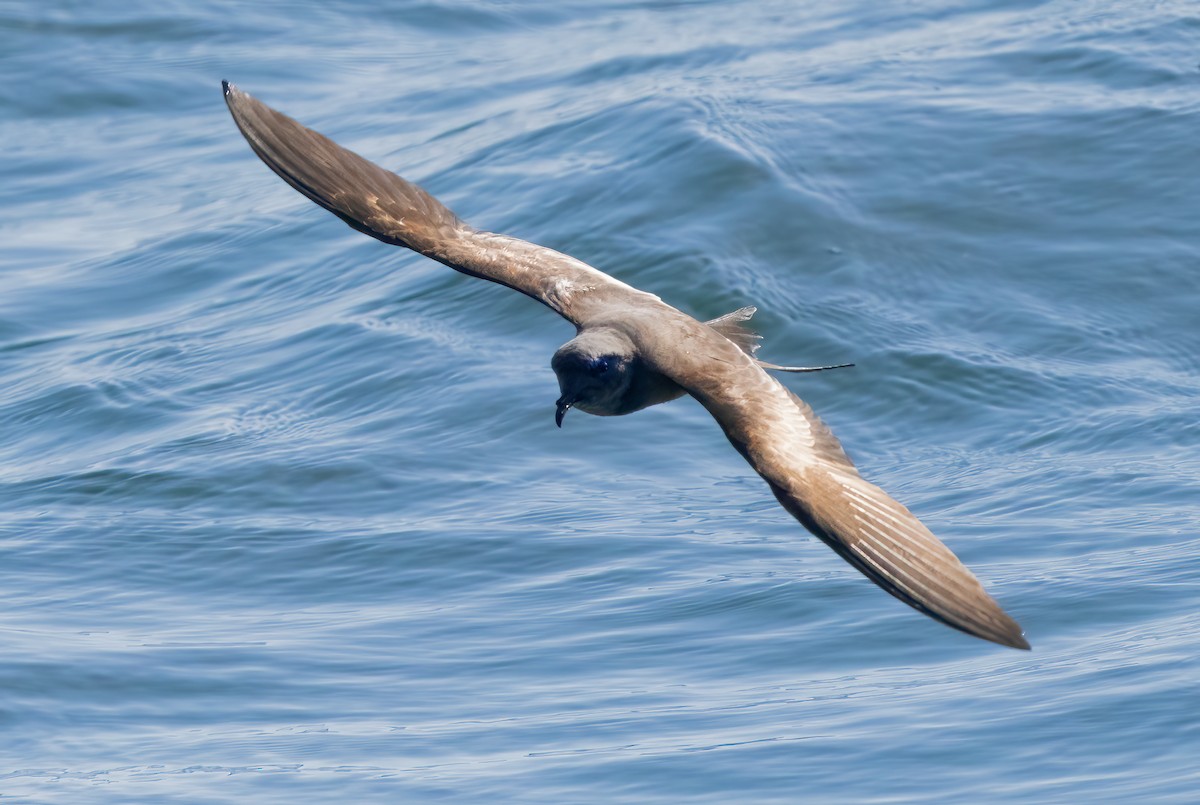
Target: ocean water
pixel 284 515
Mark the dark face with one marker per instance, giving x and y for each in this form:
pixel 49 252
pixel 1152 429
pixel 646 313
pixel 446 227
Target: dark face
pixel 592 383
pixel 594 371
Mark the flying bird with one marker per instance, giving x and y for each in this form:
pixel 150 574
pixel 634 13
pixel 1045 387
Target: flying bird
pixel 632 350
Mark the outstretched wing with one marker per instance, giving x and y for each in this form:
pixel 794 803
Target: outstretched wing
pixel 385 206
pixel 806 468
pixel 776 432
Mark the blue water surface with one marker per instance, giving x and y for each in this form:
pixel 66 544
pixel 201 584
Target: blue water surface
pixel 284 516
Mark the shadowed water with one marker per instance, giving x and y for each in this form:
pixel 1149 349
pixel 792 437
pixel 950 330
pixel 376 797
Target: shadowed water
pixel 284 515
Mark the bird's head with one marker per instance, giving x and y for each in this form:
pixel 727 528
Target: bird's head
pixel 594 371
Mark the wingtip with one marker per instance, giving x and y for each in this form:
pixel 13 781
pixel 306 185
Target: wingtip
pixel 1002 630
pixel 231 92
pixel 1017 641
pixel 238 102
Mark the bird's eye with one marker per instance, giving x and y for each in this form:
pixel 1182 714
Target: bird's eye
pixel 598 366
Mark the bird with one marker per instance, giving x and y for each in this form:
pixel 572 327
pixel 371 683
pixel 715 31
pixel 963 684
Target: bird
pixel 632 350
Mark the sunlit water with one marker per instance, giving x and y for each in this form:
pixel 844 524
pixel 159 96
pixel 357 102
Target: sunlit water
pixel 283 512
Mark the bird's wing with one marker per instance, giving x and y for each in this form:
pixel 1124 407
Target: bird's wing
pixel 385 206
pixel 806 468
pixel 776 432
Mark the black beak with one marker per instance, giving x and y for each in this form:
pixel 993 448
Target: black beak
pixel 563 407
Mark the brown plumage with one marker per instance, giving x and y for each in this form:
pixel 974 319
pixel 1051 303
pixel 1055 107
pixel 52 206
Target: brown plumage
pixel 633 350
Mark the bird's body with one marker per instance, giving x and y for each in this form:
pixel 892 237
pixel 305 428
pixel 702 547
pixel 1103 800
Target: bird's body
pixel 632 350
